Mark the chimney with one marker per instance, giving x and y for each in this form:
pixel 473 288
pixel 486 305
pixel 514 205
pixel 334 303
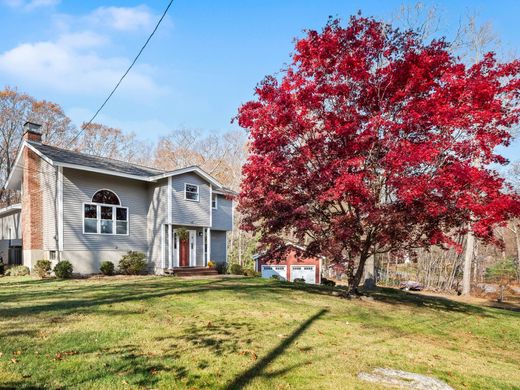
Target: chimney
pixel 32 132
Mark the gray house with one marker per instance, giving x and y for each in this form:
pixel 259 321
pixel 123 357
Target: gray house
pixel 89 209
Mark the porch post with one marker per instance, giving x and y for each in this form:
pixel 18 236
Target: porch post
pixel 208 257
pixel 170 246
pixel 163 248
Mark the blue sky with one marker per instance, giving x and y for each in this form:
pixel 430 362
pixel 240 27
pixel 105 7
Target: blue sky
pixel 202 64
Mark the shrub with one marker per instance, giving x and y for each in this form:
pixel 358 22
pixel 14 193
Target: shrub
pixel 42 268
pixel 222 268
pixel 251 272
pixel 211 264
pixel 299 280
pixel 276 277
pixel 63 269
pixel 19 270
pixel 133 263
pixel 107 268
pixel 328 282
pixel 236 269
pixel 2 268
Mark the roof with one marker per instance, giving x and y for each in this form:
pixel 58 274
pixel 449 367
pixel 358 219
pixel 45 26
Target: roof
pixel 76 160
pixel 64 156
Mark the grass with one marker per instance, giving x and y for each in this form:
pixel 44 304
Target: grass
pixel 162 332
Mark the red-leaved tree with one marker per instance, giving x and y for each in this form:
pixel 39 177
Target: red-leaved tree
pixel 373 141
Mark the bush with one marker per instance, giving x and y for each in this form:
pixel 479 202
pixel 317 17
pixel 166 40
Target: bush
pixel 236 269
pixel 133 263
pixel 211 264
pixel 2 268
pixel 251 272
pixel 299 281
pixel 222 268
pixel 276 277
pixel 42 268
pixel 63 269
pixel 328 282
pixel 19 270
pixel 107 268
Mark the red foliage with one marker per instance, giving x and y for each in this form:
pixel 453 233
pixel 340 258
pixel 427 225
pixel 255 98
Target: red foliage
pixel 374 141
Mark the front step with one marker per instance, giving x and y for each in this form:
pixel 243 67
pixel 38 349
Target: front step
pixel 191 271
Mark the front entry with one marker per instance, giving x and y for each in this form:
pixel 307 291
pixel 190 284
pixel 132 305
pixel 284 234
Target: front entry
pixel 184 252
pixel 186 249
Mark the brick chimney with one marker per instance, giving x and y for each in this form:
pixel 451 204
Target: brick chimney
pixel 32 132
pixel 32 202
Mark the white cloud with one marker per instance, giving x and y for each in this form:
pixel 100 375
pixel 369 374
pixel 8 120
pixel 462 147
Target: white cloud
pixel 122 18
pixel 29 5
pixel 72 64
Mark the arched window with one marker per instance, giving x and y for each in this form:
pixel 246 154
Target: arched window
pixel 106 197
pixel 104 215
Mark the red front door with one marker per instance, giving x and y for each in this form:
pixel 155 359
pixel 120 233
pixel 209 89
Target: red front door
pixel 184 253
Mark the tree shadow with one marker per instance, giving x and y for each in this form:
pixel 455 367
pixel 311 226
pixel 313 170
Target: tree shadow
pixel 258 368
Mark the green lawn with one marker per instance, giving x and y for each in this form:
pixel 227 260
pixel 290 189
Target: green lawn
pixel 162 332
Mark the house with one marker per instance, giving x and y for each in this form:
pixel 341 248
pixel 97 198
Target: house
pixel 89 209
pixel 290 266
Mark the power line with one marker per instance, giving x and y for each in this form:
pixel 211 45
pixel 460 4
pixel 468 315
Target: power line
pixel 124 75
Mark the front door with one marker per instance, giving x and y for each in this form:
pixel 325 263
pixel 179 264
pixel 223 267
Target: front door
pixel 184 252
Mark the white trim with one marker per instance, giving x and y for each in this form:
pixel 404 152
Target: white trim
pixel 163 247
pixel 44 157
pixel 103 189
pixel 198 192
pixel 274 265
pixel 103 171
pixel 8 209
pixel 177 245
pixel 209 246
pixel 169 197
pixel 59 191
pixel 114 220
pixel 170 246
pixel 181 171
pixel 193 233
pixel 210 205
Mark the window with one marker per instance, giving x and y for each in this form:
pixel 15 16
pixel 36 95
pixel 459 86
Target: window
pixel 104 215
pixel 214 201
pixel 191 192
pixel 52 255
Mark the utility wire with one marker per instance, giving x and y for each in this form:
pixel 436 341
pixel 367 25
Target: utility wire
pixel 124 75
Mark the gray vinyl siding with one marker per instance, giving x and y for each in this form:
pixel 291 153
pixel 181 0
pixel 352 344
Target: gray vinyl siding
pixel 218 246
pixel 50 221
pixel 223 214
pixel 186 212
pixel 10 233
pixel 11 222
pixel 156 218
pixel 79 187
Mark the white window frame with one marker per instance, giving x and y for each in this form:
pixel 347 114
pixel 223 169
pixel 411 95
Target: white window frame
pixel 216 201
pixel 98 219
pixel 198 192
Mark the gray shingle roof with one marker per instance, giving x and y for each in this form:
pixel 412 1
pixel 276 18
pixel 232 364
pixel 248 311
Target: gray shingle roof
pixel 66 156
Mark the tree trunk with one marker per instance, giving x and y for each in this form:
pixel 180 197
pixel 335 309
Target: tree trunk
pixel 468 260
pixel 355 277
pixel 369 273
pixel 517 239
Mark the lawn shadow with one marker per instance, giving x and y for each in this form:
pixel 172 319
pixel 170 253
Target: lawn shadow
pixel 258 368
pixel 397 297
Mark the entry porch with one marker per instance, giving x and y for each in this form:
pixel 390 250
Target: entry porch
pixel 184 247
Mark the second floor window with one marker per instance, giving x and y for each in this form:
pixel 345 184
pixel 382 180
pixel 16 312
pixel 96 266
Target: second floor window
pixel 191 192
pixel 214 201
